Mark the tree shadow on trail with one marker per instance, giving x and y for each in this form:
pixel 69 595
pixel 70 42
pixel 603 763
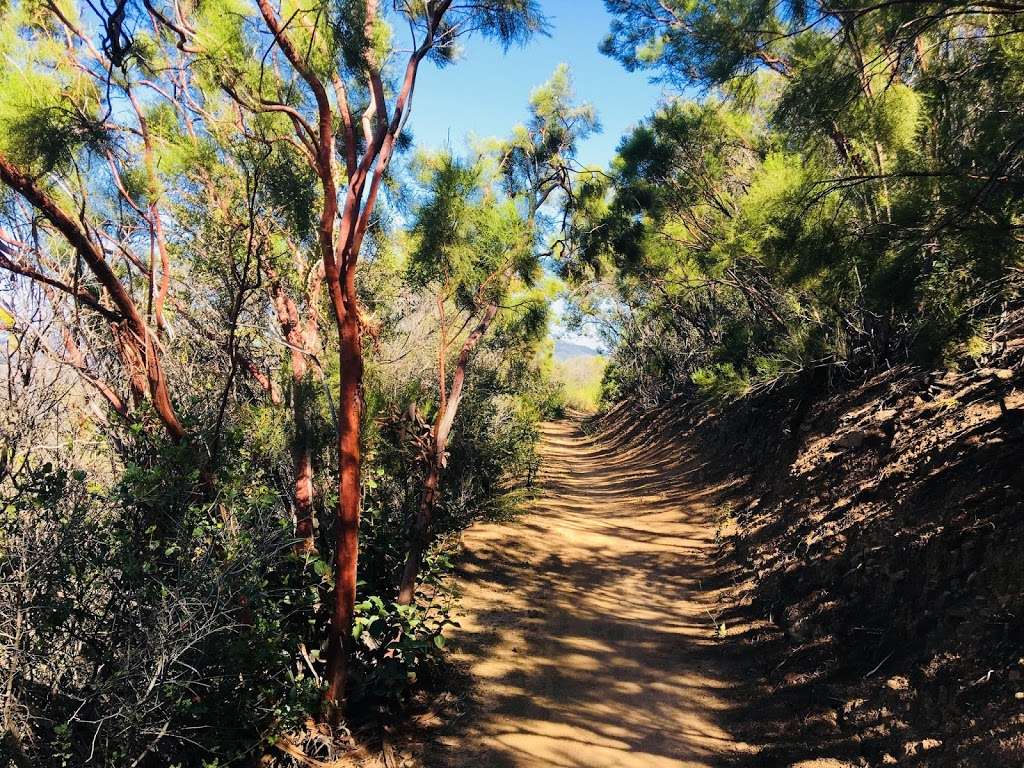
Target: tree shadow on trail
pixel 592 622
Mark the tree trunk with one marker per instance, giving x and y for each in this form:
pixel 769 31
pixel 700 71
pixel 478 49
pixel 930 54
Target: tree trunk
pixel 420 531
pixel 302 459
pixel 303 339
pixel 346 535
pixel 340 253
pixel 443 423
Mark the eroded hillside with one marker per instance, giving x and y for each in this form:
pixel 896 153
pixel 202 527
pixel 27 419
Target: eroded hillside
pixel 878 533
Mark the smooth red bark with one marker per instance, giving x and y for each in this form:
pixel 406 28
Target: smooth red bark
pixel 340 239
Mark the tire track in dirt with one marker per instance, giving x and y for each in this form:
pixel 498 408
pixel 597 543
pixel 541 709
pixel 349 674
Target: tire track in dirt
pixel 587 622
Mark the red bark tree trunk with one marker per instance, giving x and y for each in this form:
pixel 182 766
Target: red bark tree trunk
pixel 346 535
pixel 340 249
pixel 302 339
pixel 302 459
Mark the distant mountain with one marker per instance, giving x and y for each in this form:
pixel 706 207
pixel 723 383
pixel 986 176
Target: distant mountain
pixel 566 350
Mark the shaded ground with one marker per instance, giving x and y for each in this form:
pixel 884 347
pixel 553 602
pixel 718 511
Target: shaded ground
pixel 878 531
pixel 590 623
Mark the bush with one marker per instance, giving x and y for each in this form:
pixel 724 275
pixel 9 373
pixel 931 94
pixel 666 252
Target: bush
pixel 395 645
pixel 720 381
pixel 141 625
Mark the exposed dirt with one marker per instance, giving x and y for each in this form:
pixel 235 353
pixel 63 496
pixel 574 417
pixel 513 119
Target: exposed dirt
pixel 880 529
pixel 590 623
pixel 863 548
pixel 885 543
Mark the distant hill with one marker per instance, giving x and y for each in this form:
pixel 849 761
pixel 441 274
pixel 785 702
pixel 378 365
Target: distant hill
pixel 566 350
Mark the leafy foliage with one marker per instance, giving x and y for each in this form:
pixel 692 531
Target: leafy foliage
pixel 826 205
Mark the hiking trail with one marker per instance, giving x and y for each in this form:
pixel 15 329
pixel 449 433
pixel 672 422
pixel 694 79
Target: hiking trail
pixel 588 622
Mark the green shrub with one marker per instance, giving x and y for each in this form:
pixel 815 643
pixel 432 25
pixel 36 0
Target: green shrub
pixel 394 646
pixel 720 381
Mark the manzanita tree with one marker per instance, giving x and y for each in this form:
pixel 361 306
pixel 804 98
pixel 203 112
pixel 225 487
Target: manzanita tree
pixel 471 246
pixel 326 75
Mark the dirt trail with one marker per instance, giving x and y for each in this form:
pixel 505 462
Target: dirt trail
pixel 587 623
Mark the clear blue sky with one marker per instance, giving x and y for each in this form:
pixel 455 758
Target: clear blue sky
pixel 485 93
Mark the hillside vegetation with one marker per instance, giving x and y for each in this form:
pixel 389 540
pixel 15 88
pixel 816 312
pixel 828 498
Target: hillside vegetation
pixel 846 197
pixel 265 359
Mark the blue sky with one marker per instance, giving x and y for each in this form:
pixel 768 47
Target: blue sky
pixel 485 93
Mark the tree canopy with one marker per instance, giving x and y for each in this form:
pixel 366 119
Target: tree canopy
pixel 848 192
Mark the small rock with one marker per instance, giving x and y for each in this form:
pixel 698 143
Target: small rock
pixel 897 683
pixel 853 704
pixel 888 759
pixel 1019 695
pixel 1003 374
pixel 823 722
pixel 885 415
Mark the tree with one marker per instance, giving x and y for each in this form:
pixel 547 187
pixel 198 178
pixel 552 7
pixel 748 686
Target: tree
pixel 326 60
pixel 478 234
pixel 470 246
pixel 805 218
pixel 54 102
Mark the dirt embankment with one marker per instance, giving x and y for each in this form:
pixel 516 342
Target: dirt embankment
pixel 880 532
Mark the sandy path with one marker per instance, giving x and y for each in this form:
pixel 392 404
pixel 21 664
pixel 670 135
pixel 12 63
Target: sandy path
pixel 585 626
